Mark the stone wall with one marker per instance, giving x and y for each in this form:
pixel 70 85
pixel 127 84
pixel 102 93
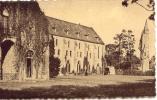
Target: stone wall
pixel 25 22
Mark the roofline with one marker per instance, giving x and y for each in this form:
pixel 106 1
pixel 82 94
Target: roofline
pixel 78 39
pixel 68 22
pixel 97 34
pixel 100 42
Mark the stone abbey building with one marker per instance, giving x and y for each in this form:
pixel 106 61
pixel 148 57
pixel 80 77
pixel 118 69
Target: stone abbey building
pixel 28 39
pixel 78 47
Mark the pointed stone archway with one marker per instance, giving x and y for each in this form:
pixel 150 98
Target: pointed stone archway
pixel 8 57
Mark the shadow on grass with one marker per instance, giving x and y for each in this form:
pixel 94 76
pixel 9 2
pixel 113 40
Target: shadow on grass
pixel 124 90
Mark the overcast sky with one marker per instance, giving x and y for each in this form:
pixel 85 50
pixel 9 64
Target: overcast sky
pixel 107 17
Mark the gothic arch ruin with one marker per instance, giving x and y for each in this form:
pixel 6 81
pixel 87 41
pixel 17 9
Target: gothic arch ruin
pixel 7 59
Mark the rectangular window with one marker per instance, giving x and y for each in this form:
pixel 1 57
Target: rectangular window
pixel 90 55
pixel 75 43
pixel 58 52
pixel 68 44
pixel 64 41
pixel 98 52
pixel 85 45
pixel 66 52
pixel 79 45
pixel 70 53
pixel 80 54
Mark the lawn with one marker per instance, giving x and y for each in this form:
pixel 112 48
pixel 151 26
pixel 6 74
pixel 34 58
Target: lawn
pixel 97 86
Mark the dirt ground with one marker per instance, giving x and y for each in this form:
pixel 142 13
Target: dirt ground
pixel 93 86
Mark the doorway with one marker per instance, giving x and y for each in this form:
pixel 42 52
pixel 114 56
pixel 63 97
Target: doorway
pixel 29 68
pixel 68 67
pixel 78 67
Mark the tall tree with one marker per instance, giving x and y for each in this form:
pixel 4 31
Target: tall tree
pixel 119 40
pixel 125 43
pixel 129 46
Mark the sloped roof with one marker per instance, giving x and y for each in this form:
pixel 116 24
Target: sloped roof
pixel 62 27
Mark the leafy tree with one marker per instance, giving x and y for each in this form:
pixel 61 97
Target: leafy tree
pixel 148 7
pixel 122 51
pixel 135 59
pixel 120 42
pixel 113 59
pixel 112 55
pixel 110 48
pixel 128 45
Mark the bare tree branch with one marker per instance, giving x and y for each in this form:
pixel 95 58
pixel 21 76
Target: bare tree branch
pixel 144 7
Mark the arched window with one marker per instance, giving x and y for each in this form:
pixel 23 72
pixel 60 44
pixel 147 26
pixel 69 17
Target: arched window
pixel 68 44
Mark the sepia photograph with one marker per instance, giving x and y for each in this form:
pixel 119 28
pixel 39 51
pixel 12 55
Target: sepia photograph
pixel 77 49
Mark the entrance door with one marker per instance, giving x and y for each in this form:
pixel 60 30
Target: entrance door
pixel 78 67
pixel 68 67
pixel 29 68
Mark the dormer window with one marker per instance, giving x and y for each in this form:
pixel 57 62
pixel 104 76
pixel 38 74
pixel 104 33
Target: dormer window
pixel 130 31
pixel 66 31
pixel 97 38
pixel 87 35
pixel 78 34
pixel 54 28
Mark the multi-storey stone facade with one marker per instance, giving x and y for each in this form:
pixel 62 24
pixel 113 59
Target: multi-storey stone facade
pixel 78 47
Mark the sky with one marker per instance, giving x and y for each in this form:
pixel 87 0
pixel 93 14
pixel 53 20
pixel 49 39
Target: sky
pixel 107 17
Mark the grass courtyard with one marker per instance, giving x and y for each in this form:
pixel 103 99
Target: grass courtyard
pixel 94 86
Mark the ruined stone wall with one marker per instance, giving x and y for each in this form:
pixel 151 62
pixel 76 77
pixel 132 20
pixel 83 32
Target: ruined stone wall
pixel 27 24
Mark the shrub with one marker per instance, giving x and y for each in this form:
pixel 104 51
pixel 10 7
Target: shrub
pixel 150 73
pixel 54 66
pixel 63 71
pixel 137 72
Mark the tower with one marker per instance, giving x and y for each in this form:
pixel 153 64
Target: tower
pixel 144 48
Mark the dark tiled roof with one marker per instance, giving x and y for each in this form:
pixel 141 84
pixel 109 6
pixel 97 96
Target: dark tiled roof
pixel 62 27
